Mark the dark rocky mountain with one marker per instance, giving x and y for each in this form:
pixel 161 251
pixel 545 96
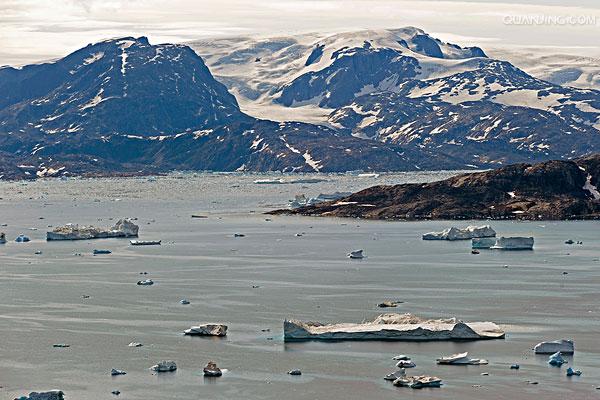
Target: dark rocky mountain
pixel 549 190
pixel 124 106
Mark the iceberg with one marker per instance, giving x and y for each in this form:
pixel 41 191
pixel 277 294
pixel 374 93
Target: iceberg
pixel 573 372
pixel 22 239
pixel 454 233
pixel 563 346
pixel 302 201
pixel 145 242
pixel 2 238
pixel 207 330
pixel 211 370
pixel 556 360
pixel 164 366
pixel 405 327
pixel 51 395
pixel 356 254
pixel 123 228
pixel 482 243
pixel 461 359
pixel 513 243
pixel 418 382
pixel 145 282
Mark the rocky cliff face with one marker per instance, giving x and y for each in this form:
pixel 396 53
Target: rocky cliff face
pixel 547 190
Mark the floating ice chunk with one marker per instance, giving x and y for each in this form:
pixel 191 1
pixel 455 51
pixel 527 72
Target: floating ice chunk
pixel 164 366
pixel 454 233
pixel 482 243
pixel 406 364
pixel 211 370
pixel 573 372
pixel 556 359
pixel 2 238
pixel 115 372
pixel 564 346
pixel 22 239
pixel 135 344
pixel 356 254
pixel 145 242
pixel 295 372
pixel 418 382
pixel 146 282
pixel 207 330
pixel 395 375
pixel 51 395
pixel 461 359
pixel 101 251
pixel 184 301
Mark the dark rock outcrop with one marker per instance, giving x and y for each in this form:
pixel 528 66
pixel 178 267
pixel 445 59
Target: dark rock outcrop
pixel 549 190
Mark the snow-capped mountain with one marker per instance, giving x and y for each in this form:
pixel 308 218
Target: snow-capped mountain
pixel 126 106
pixel 403 86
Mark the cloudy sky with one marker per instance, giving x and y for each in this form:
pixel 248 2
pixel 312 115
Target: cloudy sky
pixel 35 30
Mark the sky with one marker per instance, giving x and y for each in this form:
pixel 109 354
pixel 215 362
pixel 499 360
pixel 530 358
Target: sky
pixel 37 30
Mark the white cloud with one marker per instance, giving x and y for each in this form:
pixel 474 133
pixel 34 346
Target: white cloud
pixel 31 30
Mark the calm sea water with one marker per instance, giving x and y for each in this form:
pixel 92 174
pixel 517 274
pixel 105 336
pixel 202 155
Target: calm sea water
pixel 306 277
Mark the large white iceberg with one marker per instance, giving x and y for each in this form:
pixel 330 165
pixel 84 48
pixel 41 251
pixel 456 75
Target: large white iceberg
pixel 513 243
pixel 123 228
pixel 564 346
pixel 454 233
pixel 393 326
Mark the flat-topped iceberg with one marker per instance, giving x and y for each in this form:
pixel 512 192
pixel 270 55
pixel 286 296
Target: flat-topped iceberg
pixel 563 346
pixel 123 228
pixel 503 243
pixel 302 201
pixel 513 243
pixel 467 233
pixel 51 395
pixel 461 359
pixel 393 326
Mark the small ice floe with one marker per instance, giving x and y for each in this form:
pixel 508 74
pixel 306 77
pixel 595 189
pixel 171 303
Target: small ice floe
pixel 556 359
pixel 454 233
pixel 2 238
pixel 51 395
pixel 211 370
pixel 184 301
pixel 207 330
pixel 573 372
pixel 418 382
pixel 101 251
pixel 356 255
pixel 401 357
pixel 564 346
pixel 406 364
pixel 146 282
pixel 135 344
pixel 387 303
pixel 145 242
pixel 164 366
pixel 61 345
pixel 395 375
pixel 461 359
pixel 115 372
pixel 22 239
pixel 515 366
pixel 295 372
